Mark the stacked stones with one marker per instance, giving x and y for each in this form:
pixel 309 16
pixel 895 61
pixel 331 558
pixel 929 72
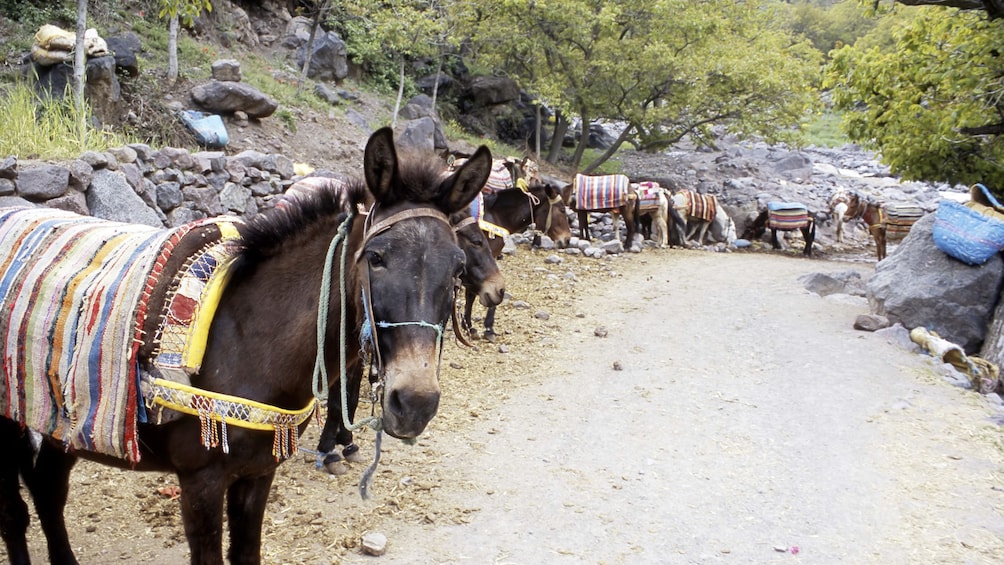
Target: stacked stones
pixel 166 187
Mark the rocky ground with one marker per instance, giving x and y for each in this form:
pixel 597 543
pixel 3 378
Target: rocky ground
pixel 672 406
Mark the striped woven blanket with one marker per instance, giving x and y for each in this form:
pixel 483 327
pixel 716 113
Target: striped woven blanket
pixel 600 192
pixel 787 216
pixel 499 179
pixel 648 196
pixel 699 206
pixel 74 293
pixel 900 218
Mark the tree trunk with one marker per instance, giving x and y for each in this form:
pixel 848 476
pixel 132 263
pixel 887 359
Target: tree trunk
pixel 580 148
pixel 435 85
pixel 993 344
pixel 172 50
pixel 80 71
pixel 536 134
pixel 609 152
pixel 400 95
pixel 310 44
pixel 557 138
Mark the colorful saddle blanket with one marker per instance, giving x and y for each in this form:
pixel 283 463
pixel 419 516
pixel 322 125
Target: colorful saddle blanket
pixel 74 293
pixel 699 206
pixel 601 192
pixel 500 177
pixel 900 218
pixel 649 194
pixel 787 216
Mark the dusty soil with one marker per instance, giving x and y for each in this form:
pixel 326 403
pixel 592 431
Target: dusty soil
pixel 727 415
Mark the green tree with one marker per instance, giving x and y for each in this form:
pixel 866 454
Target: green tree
pixel 666 68
pixel 176 12
pixel 393 31
pixel 933 106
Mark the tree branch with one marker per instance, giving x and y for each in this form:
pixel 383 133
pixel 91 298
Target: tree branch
pixel 991 129
pixel 993 8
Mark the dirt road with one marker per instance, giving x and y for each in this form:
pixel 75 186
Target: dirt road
pixel 748 423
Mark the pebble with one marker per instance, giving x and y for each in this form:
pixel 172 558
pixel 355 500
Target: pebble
pixel 600 332
pixel 374 543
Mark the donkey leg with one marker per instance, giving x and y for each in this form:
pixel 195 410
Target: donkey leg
pixel 344 437
pixel 490 324
pixel 246 500
pixel 469 297
pixel 202 495
pixel 49 484
pixel 332 461
pixel 13 510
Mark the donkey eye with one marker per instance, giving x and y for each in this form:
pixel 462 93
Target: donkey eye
pixel 375 259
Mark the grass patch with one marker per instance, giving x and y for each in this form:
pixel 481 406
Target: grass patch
pixel 823 130
pixel 46 128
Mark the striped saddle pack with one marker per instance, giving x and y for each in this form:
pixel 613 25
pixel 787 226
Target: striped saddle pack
pixel 787 216
pixel 899 218
pixel 703 207
pixel 648 195
pixel 74 299
pixel 601 192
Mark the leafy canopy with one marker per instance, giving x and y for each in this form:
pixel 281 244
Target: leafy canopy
pixel 666 68
pixel 933 106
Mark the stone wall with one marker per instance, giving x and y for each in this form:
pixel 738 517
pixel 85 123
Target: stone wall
pixel 162 188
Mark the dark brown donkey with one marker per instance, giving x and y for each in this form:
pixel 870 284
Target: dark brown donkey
pixel 306 280
pixel 515 210
pixel 481 278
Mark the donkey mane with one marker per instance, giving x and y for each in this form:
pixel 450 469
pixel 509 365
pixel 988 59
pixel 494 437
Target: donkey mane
pixel 264 235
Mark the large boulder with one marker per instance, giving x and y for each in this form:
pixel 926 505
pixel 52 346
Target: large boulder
pixel 329 60
pixel 124 48
pixel 491 90
pixel 102 89
pixel 110 197
pixel 920 286
pixel 226 97
pixel 39 182
pixel 418 135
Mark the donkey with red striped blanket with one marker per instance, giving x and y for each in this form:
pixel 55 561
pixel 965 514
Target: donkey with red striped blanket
pixel 281 304
pixel 784 216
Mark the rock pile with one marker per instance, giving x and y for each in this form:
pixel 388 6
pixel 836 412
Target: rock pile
pixel 135 183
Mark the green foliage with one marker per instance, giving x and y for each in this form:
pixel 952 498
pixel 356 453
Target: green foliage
pixel 186 10
pixel 829 26
pixel 47 128
pixel 823 130
pixel 32 14
pixel 669 68
pixel 923 104
pixel 379 35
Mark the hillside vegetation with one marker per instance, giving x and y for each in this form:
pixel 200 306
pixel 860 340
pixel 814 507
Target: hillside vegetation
pixel 663 71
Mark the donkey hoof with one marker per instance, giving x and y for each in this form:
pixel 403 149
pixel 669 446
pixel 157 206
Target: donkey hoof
pixel 351 453
pixel 489 336
pixel 335 465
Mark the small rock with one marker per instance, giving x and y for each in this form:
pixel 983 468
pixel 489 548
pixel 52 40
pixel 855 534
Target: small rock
pixel 600 332
pixel 541 315
pixel 455 365
pixel 503 349
pixel 617 366
pixel 871 322
pixel 374 543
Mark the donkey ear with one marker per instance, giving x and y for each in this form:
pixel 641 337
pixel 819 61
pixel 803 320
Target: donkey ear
pixel 380 163
pixel 462 186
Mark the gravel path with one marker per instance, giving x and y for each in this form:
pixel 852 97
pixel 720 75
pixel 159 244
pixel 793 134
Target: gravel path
pixel 748 423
